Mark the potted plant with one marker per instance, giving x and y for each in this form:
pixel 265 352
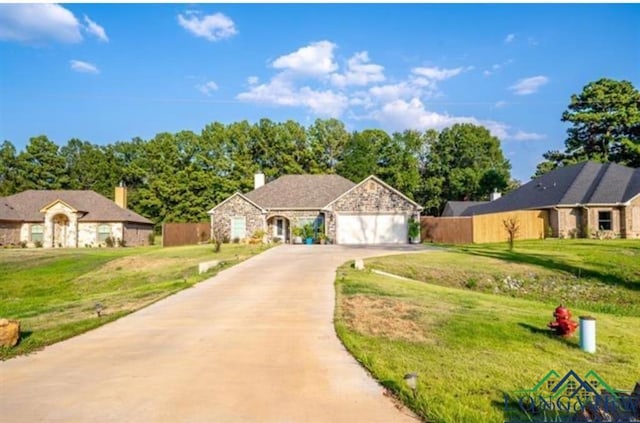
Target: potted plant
pixel 321 236
pixel 308 233
pixel 414 231
pixel 297 233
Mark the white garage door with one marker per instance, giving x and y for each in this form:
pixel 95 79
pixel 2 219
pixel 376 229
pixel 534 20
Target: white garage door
pixel 372 229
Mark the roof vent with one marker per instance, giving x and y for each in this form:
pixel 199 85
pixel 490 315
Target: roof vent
pixel 494 195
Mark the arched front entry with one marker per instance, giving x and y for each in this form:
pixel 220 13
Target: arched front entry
pixel 60 230
pixel 278 227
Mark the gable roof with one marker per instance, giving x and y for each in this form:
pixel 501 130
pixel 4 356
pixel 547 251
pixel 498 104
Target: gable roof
pixel 237 194
pixel 26 206
pixel 381 182
pixel 580 184
pixel 300 191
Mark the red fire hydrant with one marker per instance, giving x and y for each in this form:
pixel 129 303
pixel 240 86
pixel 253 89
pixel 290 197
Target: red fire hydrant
pixel 563 325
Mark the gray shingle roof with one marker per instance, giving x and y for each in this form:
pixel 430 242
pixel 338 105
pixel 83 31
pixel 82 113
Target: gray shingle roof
pixel 456 208
pixel 583 183
pixel 26 206
pixel 300 191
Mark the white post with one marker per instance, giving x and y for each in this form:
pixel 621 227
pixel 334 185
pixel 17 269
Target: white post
pixel 588 334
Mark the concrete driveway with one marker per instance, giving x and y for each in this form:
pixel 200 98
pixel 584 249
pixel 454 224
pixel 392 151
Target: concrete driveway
pixel 253 344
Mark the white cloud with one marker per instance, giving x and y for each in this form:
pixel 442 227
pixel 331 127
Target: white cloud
pixel 314 59
pixel 83 67
pixel 95 29
pixel 438 74
pixel 207 88
pixel 392 92
pixel 500 104
pixel 38 22
pixel 401 114
pixel 302 81
pixel 360 71
pixel 281 91
pixel 529 85
pixel 211 27
pixel 509 38
pixel 528 136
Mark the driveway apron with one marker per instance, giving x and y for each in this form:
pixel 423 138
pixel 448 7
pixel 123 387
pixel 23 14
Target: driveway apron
pixel 255 343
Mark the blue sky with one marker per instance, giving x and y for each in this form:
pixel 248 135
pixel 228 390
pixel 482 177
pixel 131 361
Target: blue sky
pixel 111 72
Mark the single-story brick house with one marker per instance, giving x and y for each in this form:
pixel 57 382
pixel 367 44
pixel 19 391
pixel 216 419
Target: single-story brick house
pixel 370 212
pixel 52 218
pixel 579 199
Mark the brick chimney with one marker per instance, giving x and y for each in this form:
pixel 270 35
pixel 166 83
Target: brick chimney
pixel 258 180
pixel 121 196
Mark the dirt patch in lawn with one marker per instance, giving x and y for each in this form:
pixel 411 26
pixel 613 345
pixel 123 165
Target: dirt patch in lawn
pixel 139 264
pixel 385 317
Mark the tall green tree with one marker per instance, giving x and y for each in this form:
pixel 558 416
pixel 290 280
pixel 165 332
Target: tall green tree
pixel 90 167
pixel 361 154
pixel 465 163
pixel 327 141
pixel 40 166
pixel 8 169
pixel 605 126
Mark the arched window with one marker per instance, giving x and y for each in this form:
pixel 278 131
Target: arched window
pixel 37 233
pixel 104 232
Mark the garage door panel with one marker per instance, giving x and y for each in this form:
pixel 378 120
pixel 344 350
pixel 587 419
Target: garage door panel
pixel 372 229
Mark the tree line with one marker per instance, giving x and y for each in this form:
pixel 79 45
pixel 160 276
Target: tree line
pixel 177 177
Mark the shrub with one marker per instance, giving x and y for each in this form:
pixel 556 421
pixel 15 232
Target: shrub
pixel 307 231
pixel 151 238
pixel 23 244
pixel 236 240
pixel 121 242
pixel 109 241
pixel 297 231
pixel 414 228
pixel 38 244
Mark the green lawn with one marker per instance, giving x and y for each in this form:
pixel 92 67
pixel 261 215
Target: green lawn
pixel 599 276
pixel 471 340
pixel 54 292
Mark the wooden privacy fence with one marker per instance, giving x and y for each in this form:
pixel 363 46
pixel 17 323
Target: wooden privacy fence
pixel 449 230
pixel 483 228
pixel 174 234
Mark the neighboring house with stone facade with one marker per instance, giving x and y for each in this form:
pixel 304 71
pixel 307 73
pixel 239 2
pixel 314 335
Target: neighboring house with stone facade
pixel 370 212
pixel 70 219
pixel 578 200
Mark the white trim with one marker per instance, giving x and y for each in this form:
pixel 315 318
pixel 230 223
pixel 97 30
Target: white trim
pixel 381 182
pixel 210 212
pixel 244 220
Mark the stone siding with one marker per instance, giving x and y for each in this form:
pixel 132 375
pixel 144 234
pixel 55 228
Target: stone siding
pixel 237 207
pixel 371 197
pixel 60 235
pixel 9 233
pixel 294 217
pixel 88 233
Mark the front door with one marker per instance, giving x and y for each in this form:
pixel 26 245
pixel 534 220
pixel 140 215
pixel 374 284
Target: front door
pixel 280 229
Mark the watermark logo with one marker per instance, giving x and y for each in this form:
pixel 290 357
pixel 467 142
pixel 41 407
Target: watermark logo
pixel 571 397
